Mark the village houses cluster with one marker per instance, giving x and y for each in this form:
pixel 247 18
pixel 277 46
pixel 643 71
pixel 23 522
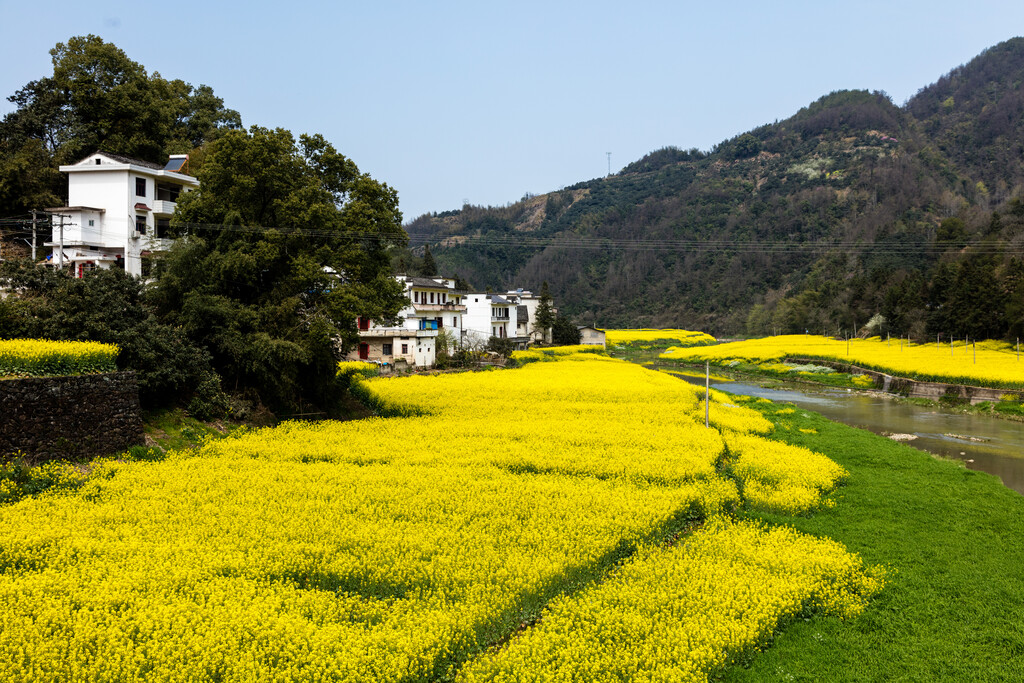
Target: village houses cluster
pixel 119 212
pixel 439 312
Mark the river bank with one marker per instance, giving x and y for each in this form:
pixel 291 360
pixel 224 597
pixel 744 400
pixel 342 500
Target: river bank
pixel 953 609
pixel 953 397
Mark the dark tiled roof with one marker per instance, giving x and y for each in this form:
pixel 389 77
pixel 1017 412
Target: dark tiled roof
pixel 425 282
pixel 495 299
pixel 127 160
pixel 522 315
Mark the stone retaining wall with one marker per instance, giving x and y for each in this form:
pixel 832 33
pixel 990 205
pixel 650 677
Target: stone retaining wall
pixel 917 389
pixel 74 417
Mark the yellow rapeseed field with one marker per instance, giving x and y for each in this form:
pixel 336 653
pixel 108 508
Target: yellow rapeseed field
pixel 43 357
pixel 988 363
pixel 684 337
pixel 398 547
pixel 678 614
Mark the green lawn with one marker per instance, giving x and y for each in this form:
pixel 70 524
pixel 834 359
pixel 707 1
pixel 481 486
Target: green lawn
pixel 953 541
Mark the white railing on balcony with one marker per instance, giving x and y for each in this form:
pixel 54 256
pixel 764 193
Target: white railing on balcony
pixel 163 207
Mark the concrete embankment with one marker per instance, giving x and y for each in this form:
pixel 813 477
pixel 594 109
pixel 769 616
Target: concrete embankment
pixel 917 389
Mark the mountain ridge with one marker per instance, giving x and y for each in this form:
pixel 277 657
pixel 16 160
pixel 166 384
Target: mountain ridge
pixel 812 222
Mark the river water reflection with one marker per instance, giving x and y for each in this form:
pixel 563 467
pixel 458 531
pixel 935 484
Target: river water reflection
pixel 999 451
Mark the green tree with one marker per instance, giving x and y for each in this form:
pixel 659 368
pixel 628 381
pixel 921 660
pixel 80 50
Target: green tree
pixel 564 332
pixel 98 98
pixel 747 146
pixel 975 304
pixel 545 316
pixel 109 306
pixel 428 267
pixel 445 349
pixel 286 245
pixel 502 346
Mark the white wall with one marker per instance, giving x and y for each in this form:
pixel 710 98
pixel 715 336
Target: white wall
pixel 111 186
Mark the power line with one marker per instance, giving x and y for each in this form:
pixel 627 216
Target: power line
pixel 632 244
pixel 579 242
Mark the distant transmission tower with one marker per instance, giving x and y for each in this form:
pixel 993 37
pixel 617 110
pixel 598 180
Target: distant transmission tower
pixel 609 163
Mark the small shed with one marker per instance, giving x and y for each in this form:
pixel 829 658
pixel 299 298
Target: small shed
pixel 591 335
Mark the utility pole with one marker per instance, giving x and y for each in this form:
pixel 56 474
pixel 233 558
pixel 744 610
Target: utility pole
pixel 609 163
pixel 60 263
pixel 707 393
pixel 34 223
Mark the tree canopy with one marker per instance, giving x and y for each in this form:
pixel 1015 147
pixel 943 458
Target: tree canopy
pixel 545 317
pixel 98 98
pixel 109 306
pixel 285 245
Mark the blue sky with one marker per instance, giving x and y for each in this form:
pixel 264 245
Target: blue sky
pixel 485 101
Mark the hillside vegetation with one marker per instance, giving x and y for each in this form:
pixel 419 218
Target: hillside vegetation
pixel 849 208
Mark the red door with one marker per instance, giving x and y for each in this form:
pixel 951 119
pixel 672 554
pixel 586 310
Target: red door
pixel 364 351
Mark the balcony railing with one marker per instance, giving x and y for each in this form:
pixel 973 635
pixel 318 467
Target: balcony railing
pixel 447 306
pixel 163 207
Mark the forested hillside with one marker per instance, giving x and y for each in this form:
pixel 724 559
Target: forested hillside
pixel 850 208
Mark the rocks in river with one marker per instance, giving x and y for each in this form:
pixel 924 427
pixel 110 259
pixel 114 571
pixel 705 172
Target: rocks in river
pixel 965 438
pixel 902 437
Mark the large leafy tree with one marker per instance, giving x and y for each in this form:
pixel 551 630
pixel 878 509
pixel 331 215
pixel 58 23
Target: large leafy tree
pixel 285 245
pixel 98 98
pixel 108 306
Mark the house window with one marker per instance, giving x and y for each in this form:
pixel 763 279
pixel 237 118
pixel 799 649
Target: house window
pixel 140 224
pixel 364 323
pixel 431 297
pixel 364 351
pixel 98 162
pixel 387 349
pixel 416 297
pixel 92 223
pixel 163 227
pixel 140 187
pixel 405 349
pixel 168 192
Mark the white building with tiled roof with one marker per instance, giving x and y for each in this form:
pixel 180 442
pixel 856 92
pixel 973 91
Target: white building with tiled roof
pixel 434 305
pixel 119 211
pixel 489 315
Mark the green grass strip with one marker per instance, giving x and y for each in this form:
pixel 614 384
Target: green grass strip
pixel 953 541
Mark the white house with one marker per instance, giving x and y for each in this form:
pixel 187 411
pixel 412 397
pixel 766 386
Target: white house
pixel 119 211
pixel 434 305
pixel 489 315
pixel 526 329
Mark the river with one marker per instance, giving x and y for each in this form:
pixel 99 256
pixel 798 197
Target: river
pixel 983 443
